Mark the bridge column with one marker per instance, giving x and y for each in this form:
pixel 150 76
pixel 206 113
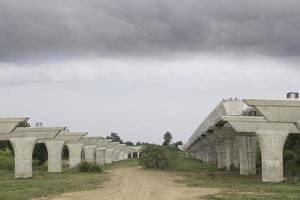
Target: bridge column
pixel 221 155
pixel 100 155
pixel 271 145
pixel 108 156
pixel 131 155
pixel 23 149
pixel 236 157
pixel 211 154
pixel 75 150
pixel 247 154
pixel 231 152
pixel 115 156
pixel 54 149
pixel 138 154
pixel 89 153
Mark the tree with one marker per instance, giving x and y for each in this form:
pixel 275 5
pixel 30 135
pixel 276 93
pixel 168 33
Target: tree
pixel 167 138
pixel 129 143
pixel 178 143
pixel 115 137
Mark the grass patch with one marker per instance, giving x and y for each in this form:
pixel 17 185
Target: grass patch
pixel 235 187
pixel 133 162
pixel 43 183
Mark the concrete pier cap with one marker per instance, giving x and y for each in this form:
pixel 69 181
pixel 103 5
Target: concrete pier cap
pixel 8 125
pixel 90 145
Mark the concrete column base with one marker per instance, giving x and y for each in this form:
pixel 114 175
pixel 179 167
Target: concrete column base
pixel 54 149
pixel 75 150
pixel 100 155
pixel 89 153
pixel 247 154
pixel 271 145
pixel 23 149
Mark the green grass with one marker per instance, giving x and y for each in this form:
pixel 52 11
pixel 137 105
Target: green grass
pixel 124 163
pixel 233 186
pixel 43 183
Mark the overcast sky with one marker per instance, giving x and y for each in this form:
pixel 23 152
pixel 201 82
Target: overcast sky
pixel 143 67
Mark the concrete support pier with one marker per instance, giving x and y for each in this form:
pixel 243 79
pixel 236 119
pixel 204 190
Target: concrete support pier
pixel 23 149
pixel 89 153
pixel 109 155
pixel 247 154
pixel 100 155
pixel 210 154
pixel 221 155
pixel 271 145
pixel 54 148
pixel 232 154
pixel 115 156
pixel 75 150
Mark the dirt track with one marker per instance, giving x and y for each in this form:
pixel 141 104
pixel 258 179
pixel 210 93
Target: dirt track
pixel 138 184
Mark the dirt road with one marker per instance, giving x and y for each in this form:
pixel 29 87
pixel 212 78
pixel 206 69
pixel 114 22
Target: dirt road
pixel 138 184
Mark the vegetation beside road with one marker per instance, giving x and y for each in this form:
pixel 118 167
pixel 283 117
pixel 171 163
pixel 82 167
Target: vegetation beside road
pixel 43 183
pixel 234 186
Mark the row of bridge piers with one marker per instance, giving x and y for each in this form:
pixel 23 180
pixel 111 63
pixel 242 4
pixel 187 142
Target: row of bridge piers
pixel 23 139
pixel 235 130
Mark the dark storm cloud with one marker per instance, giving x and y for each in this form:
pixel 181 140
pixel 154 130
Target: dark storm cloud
pixel 43 29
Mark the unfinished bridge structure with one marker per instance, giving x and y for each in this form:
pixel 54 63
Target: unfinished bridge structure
pixel 232 132
pixel 23 139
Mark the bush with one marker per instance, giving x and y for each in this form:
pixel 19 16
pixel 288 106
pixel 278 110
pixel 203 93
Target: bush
pixel 88 167
pixel 158 157
pixel 7 160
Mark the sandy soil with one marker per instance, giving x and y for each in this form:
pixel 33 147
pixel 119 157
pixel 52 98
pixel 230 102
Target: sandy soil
pixel 138 184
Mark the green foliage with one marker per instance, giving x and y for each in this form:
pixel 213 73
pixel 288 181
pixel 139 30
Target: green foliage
pixel 158 157
pixel 40 153
pixel 167 138
pixel 115 137
pixel 88 167
pixel 6 160
pixel 65 153
pixel 129 143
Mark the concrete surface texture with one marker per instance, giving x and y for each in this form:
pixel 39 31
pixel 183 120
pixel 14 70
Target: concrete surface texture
pixel 54 148
pixel 109 152
pixel 23 149
pixel 90 153
pixel 75 150
pixel 100 155
pixel 8 125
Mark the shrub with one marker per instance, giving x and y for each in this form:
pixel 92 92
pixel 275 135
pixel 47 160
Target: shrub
pixel 158 157
pixel 7 160
pixel 88 167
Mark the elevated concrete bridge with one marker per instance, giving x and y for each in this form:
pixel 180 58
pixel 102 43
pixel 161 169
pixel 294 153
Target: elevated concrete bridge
pixel 23 139
pixel 229 135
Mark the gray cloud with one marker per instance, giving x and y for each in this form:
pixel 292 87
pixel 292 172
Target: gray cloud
pixel 39 30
